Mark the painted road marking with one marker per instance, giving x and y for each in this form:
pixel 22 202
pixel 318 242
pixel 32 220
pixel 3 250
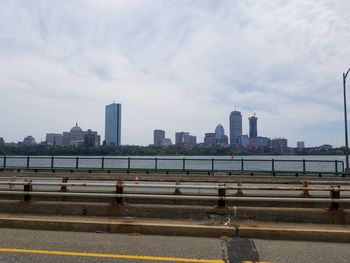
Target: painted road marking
pixel 101 255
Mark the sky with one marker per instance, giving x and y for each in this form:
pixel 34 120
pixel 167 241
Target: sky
pixel 175 65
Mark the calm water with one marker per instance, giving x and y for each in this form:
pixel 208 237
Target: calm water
pixel 224 163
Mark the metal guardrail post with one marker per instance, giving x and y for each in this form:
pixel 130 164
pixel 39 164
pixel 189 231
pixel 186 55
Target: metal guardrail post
pixel 77 162
pixel 156 163
pixel 27 188
pixel 119 190
pixel 183 164
pixel 239 191
pixel 212 164
pixel 336 166
pixel 242 165
pixel 64 187
pixel 305 185
pixel 222 194
pixel 28 161
pixel 273 167
pixel 4 164
pixel 102 163
pixel 304 166
pixel 52 162
pixel 334 194
pixel 177 190
pixel 129 161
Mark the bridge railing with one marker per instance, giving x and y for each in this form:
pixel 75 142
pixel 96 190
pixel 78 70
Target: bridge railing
pixel 157 164
pixel 222 192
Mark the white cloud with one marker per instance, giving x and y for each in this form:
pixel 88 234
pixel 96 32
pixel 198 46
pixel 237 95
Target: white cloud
pixel 174 65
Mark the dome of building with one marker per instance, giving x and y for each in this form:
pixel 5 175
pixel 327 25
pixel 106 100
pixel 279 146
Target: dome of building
pixel 29 140
pixel 219 131
pixel 76 129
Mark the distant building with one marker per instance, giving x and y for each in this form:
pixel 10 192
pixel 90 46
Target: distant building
pixel 185 139
pixel 301 145
pixel 166 142
pixel 75 137
pixel 210 139
pixel 326 147
pixel 29 140
pixel 260 142
pixel 2 142
pixel 219 131
pixel 192 140
pixel 54 138
pixel 243 141
pixel 113 124
pixel 235 127
pixel 181 138
pixel 253 127
pixel 91 139
pixel 222 141
pixel 279 145
pixel 158 137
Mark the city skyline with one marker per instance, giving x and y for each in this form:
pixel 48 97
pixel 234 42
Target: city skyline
pixel 179 65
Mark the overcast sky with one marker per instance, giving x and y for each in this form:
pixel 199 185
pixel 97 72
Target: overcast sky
pixel 174 65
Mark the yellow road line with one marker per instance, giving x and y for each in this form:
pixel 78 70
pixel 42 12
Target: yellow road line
pixel 100 255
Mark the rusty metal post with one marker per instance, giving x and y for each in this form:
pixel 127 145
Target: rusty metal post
pixel 64 187
pixel 305 192
pixel 177 190
pixel 239 191
pixel 334 194
pixel 119 190
pixel 222 194
pixel 28 187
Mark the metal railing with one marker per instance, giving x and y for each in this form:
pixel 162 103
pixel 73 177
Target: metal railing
pixel 185 165
pixel 222 193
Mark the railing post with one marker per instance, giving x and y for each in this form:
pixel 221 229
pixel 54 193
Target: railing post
pixel 177 190
pixel 239 191
pixel 212 164
pixel 273 167
pixel 156 163
pixel 4 164
pixel 336 167
pixel 77 162
pixel 119 190
pixel 27 187
pixel 102 163
pixel 304 166
pixel 28 161
pixel 242 165
pixel 222 194
pixel 64 187
pixel 305 192
pixel 52 162
pixel 334 194
pixel 129 163
pixel 183 164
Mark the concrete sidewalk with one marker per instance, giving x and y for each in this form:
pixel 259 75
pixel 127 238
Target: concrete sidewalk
pixel 171 227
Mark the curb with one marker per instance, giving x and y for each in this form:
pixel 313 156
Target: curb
pixel 128 226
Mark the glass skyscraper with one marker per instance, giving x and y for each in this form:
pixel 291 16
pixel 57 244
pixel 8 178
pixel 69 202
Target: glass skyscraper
pixel 113 124
pixel 235 127
pixel 253 127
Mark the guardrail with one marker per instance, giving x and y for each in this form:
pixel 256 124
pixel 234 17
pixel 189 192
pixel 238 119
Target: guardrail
pixel 168 165
pixel 222 192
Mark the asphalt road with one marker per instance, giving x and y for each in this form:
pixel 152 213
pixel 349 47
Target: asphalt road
pixel 51 246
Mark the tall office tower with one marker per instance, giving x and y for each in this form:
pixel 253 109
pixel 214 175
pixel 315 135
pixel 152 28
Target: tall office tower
pixel 253 127
pixel 113 124
pixel 235 126
pixel 158 137
pixel 182 138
